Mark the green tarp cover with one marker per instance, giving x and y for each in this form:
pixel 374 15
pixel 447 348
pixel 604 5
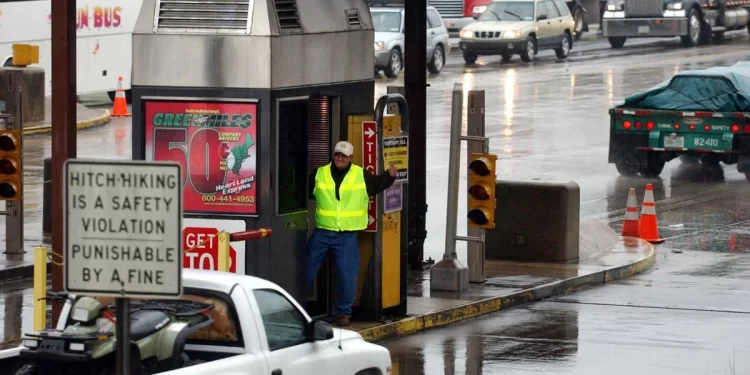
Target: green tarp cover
pixel 717 89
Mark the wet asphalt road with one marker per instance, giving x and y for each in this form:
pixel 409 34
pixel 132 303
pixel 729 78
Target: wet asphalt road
pixel 548 121
pixel 687 316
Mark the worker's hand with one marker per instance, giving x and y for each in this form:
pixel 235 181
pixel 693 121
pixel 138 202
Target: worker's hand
pixel 392 170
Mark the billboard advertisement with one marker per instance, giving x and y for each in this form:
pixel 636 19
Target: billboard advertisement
pixel 215 144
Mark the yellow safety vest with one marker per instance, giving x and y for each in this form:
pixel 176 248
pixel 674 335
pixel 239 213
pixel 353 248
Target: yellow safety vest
pixel 347 214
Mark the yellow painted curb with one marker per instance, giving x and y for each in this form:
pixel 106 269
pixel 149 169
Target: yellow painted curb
pixel 474 309
pixel 85 124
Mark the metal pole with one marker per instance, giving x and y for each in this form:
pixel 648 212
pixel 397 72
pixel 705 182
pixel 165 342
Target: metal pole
pixel 122 334
pixel 454 168
pixel 14 218
pixel 475 128
pixel 415 82
pixel 64 91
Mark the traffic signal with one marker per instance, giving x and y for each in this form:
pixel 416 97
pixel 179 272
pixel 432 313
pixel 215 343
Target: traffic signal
pixel 482 190
pixel 10 165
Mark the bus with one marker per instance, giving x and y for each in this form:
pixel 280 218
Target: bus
pixel 104 42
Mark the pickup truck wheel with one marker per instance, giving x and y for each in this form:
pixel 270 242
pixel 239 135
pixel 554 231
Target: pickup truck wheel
pixel 470 57
pixel 747 176
pixel 627 170
pixel 617 42
pixel 394 64
pixel 528 53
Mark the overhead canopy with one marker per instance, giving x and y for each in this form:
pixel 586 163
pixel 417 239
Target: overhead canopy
pixel 717 89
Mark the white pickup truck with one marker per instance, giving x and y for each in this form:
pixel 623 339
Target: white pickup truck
pixel 259 329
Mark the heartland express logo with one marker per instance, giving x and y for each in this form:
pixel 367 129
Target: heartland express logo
pixel 213 119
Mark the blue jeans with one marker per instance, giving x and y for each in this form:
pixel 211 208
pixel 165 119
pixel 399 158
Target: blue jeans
pixel 345 246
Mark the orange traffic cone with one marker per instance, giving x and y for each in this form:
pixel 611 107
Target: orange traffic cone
pixel 120 106
pixel 649 226
pixel 631 226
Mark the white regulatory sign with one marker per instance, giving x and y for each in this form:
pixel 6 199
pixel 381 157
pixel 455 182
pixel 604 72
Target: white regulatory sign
pixel 123 228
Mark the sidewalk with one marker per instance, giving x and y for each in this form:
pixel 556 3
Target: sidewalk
pixel 85 118
pixel 511 284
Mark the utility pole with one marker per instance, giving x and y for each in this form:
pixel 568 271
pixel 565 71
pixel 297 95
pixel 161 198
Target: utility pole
pixel 415 85
pixel 63 125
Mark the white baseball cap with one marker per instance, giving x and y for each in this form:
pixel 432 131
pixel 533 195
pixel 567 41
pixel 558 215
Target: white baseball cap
pixel 344 147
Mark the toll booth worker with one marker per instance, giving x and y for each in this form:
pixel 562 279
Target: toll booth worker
pixel 341 191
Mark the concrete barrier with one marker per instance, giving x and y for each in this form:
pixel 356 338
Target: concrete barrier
pixel 535 221
pixel 33 93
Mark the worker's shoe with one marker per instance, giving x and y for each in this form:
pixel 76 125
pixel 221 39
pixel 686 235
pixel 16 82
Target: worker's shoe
pixel 342 321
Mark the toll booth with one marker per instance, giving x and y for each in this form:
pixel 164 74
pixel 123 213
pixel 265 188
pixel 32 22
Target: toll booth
pixel 250 96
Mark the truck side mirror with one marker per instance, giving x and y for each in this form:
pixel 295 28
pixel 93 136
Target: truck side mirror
pixel 321 331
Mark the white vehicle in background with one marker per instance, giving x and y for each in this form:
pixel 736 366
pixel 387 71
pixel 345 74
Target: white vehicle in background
pixel 104 47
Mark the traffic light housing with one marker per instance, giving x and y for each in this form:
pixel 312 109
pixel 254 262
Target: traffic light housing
pixel 10 165
pixel 482 190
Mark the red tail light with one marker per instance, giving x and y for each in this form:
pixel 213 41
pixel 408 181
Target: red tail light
pixel 707 128
pixel 638 125
pixel 692 127
pixel 746 128
pixel 626 125
pixel 650 125
pixel 735 128
pixel 676 126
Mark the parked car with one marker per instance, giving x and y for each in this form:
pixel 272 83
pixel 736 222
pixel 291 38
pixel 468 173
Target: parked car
pixel 575 6
pixel 523 27
pixel 388 21
pixel 257 328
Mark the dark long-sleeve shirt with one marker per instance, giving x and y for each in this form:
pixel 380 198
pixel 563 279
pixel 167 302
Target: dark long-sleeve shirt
pixel 374 183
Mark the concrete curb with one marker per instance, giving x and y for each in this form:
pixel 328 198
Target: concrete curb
pixel 490 305
pixel 85 124
pixel 24 271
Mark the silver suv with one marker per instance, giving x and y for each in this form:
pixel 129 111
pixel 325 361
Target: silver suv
pixel 389 39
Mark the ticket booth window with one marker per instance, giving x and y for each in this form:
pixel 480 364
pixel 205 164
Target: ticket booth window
pixel 304 144
pixel 292 164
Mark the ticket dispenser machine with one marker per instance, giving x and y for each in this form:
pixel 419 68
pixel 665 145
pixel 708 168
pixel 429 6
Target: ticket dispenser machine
pixel 250 96
pixel 382 280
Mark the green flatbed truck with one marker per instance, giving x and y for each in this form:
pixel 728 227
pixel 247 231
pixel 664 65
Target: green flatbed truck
pixel 704 114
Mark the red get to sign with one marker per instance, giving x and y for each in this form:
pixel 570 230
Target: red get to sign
pixel 370 163
pixel 202 236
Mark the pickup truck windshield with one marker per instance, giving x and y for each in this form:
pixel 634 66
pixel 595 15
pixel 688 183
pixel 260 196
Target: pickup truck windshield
pixel 508 11
pixel 389 22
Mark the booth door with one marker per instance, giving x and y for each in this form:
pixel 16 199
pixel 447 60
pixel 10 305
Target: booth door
pixel 303 145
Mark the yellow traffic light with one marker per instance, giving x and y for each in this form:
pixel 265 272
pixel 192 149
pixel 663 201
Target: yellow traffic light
pixel 10 165
pixel 482 190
